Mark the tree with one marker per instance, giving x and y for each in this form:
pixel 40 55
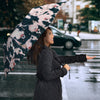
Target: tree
pixel 91 13
pixel 96 4
pixel 50 1
pixel 9 16
pixel 13 11
pixel 29 4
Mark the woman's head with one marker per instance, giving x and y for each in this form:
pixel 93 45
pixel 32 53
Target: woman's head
pixel 46 39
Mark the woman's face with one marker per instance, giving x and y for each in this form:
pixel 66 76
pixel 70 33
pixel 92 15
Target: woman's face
pixel 48 39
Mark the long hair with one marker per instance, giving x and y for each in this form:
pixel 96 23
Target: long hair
pixel 33 53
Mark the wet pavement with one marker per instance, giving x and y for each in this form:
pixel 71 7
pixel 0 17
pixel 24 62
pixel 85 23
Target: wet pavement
pixel 85 78
pixel 84 82
pixel 17 87
pixel 85 35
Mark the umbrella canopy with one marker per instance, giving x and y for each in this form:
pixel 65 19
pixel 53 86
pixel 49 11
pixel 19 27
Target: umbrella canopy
pixel 28 31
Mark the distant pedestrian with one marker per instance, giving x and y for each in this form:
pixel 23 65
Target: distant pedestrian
pixel 70 28
pixel 78 29
pixel 65 27
pixel 95 29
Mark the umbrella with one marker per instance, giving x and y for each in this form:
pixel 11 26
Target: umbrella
pixel 28 31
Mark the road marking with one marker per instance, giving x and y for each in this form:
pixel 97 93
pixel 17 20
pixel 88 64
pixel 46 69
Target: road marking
pixel 92 64
pixel 96 71
pixel 19 73
pixel 89 54
pixel 96 52
pixel 98 78
pixel 85 49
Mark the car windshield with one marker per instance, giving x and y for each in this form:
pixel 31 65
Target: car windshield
pixel 55 31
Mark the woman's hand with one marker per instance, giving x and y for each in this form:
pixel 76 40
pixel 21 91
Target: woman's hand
pixel 88 57
pixel 66 66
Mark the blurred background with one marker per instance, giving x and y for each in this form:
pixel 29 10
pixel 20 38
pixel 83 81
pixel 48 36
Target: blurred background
pixel 83 12
pixel 83 37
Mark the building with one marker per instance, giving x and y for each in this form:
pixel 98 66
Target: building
pixel 77 5
pixel 72 9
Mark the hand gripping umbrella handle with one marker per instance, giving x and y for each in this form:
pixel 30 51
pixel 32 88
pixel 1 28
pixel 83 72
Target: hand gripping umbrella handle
pixel 69 70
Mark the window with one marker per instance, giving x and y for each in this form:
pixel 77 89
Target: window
pixel 77 16
pixel 55 32
pixel 86 6
pixel 78 7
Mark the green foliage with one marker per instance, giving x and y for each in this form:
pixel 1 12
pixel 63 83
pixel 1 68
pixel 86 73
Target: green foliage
pixel 96 4
pixel 92 13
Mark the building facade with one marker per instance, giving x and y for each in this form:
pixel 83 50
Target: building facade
pixel 72 10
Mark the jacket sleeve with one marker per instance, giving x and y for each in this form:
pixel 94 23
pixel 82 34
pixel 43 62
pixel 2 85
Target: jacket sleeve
pixel 45 62
pixel 70 59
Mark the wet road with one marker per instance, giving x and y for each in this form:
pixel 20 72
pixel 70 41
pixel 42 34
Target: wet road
pixel 84 83
pixel 85 77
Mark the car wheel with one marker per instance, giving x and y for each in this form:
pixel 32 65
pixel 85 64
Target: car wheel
pixel 68 45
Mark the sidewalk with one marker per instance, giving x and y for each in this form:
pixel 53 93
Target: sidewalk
pixel 85 35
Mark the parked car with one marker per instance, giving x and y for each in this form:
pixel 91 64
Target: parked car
pixel 4 33
pixel 67 41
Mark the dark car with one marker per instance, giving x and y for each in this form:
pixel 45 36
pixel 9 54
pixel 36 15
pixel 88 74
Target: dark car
pixel 60 39
pixel 4 33
pixel 67 41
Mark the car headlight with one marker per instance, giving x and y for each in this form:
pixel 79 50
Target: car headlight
pixel 8 34
pixel 77 38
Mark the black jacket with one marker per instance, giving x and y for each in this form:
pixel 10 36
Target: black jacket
pixel 49 71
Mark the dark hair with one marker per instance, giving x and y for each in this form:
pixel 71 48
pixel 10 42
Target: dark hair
pixel 36 49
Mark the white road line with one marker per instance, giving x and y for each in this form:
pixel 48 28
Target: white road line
pixel 98 78
pixel 97 71
pixel 19 73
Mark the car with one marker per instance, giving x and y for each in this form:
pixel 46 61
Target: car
pixel 4 34
pixel 60 39
pixel 67 41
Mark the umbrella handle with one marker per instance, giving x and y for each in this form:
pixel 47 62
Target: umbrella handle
pixel 69 75
pixel 69 71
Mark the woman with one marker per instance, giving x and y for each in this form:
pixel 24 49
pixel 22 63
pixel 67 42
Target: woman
pixel 50 67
